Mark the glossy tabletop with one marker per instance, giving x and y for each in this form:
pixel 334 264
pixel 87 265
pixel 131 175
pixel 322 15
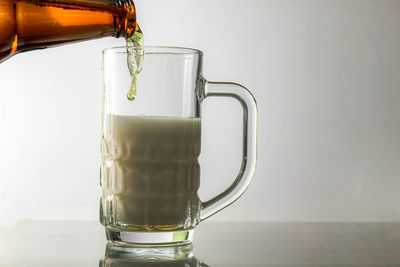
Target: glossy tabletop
pixel 63 243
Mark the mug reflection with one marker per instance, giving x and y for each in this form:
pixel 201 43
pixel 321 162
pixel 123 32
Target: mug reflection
pixel 169 256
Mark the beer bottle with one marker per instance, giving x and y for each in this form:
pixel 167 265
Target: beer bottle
pixel 36 24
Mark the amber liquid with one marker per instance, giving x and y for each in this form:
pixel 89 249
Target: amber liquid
pixel 34 24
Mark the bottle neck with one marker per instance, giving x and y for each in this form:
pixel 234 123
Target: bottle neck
pixel 125 19
pixel 39 24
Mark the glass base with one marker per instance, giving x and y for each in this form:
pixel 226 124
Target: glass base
pixel 149 253
pixel 124 238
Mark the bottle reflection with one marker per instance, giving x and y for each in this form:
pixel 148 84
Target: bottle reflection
pixel 174 256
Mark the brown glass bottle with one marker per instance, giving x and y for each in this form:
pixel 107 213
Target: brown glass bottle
pixel 36 24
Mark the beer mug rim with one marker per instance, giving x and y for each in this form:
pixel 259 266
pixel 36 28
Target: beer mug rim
pixel 148 49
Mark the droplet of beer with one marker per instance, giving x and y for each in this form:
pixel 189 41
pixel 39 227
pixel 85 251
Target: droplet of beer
pixel 132 89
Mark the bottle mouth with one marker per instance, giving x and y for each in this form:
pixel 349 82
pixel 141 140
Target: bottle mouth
pixel 126 19
pixel 128 32
pixel 155 50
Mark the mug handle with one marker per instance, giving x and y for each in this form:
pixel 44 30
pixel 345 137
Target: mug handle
pixel 249 147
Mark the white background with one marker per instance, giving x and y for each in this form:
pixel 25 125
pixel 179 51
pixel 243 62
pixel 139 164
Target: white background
pixel 326 75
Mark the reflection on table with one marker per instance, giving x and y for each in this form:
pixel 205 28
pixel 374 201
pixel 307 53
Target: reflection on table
pixel 178 256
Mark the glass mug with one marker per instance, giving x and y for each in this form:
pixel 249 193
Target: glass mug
pixel 149 172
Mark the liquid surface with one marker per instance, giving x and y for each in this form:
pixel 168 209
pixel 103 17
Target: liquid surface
pixel 135 59
pixel 150 173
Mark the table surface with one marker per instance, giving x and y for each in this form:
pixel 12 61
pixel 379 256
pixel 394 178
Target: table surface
pixel 71 243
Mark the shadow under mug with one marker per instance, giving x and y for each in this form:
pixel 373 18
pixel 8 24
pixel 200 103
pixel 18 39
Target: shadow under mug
pixel 149 172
